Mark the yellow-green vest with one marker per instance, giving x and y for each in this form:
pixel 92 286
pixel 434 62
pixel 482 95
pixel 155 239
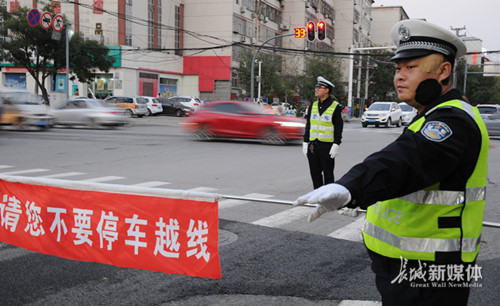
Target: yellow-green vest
pixel 321 126
pixel 418 225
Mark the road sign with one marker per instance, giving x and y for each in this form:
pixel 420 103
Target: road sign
pixel 58 23
pixel 33 17
pixel 46 21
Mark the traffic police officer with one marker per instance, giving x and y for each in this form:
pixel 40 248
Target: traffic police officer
pixel 429 183
pixel 323 134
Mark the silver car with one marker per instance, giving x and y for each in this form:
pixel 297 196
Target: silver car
pixel 22 109
pixel 491 116
pixel 88 112
pixel 409 112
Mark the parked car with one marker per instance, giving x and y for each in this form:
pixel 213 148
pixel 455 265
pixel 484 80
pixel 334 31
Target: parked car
pixel 22 109
pixel 382 113
pixel 88 112
pixel 236 119
pixel 489 110
pixel 409 112
pixel 491 116
pixel 171 107
pixel 192 102
pixel 153 105
pixel 134 106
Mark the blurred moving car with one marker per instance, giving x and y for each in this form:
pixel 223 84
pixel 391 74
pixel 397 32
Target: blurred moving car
pixel 153 105
pixel 88 112
pixel 192 102
pixel 22 109
pixel 170 107
pixel 409 112
pixel 236 119
pixel 134 106
pixel 382 113
pixel 491 116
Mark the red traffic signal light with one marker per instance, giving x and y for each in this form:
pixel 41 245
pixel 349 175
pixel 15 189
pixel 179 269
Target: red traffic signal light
pixel 310 31
pixel 321 30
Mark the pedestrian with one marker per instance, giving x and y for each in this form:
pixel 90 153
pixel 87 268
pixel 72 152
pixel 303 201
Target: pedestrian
pixel 430 182
pixel 323 134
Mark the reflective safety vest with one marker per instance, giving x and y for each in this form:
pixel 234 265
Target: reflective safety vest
pixel 426 222
pixel 321 127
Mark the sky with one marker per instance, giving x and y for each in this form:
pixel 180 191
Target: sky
pixel 480 17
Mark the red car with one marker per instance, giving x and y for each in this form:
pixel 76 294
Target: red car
pixel 236 119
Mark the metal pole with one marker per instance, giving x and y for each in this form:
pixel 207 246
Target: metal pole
pixel 351 71
pixel 465 78
pixel 252 73
pixel 67 62
pixel 260 80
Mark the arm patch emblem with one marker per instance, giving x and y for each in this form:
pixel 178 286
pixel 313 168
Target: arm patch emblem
pixel 436 131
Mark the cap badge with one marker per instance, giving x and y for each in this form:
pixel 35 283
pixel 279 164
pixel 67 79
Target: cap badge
pixel 404 33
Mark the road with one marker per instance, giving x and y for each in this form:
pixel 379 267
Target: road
pixel 269 254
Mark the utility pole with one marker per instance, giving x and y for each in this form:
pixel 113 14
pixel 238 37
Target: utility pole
pixel 457 31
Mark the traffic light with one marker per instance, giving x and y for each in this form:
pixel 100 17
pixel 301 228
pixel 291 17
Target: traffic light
pixel 321 30
pixel 310 31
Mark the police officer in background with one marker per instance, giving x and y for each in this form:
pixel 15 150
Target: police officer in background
pixel 323 134
pixel 429 183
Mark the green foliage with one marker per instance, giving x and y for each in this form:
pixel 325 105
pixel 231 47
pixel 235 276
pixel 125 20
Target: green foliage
pixel 381 80
pixel 480 89
pixel 327 67
pixel 34 49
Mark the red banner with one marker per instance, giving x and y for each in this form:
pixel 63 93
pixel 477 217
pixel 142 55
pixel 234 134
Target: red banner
pixel 155 233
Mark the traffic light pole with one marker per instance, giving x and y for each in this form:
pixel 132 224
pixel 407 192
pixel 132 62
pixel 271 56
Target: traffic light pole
pixel 252 73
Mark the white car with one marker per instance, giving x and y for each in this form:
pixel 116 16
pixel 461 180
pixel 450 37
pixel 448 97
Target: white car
pixel 154 106
pixel 382 113
pixel 192 102
pixel 409 112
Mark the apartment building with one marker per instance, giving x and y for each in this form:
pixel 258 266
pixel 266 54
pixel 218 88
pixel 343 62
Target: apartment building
pixel 191 47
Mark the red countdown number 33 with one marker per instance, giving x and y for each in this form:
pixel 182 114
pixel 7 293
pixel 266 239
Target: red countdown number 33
pixel 300 32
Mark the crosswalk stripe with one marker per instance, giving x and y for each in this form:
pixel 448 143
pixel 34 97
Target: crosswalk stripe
pixel 24 171
pixel 103 179
pixel 66 174
pixel 152 184
pixel 203 189
pixel 285 217
pixel 227 203
pixel 351 231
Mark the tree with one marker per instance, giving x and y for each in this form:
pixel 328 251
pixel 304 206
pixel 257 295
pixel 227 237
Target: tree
pixel 327 67
pixel 381 81
pixel 34 49
pixel 480 89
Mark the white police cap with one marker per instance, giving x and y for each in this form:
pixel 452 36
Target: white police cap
pixel 418 38
pixel 324 82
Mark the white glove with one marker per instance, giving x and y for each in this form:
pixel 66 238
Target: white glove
pixel 329 197
pixel 334 150
pixel 350 212
pixel 305 145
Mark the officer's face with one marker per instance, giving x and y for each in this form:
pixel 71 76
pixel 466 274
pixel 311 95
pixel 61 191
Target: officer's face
pixel 321 92
pixel 407 77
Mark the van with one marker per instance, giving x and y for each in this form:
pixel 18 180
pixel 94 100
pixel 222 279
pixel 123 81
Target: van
pixel 133 106
pixel 22 109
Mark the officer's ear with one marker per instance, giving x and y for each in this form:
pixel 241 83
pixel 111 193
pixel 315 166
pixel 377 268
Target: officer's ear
pixel 445 71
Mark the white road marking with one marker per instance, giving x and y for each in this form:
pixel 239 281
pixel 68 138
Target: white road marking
pixel 104 179
pixel 285 217
pixel 66 174
pixel 152 184
pixel 203 189
pixel 227 203
pixel 5 166
pixel 24 171
pixel 351 231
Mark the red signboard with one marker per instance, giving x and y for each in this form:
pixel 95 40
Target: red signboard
pixel 157 233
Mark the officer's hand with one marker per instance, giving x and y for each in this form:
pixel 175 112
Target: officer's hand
pixel 329 197
pixel 334 150
pixel 305 145
pixel 350 212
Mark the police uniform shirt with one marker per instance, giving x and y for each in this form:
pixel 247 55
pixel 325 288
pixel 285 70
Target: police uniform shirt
pixel 337 121
pixel 413 161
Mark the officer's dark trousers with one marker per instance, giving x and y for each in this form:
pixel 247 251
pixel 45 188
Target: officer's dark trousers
pixel 320 164
pixel 403 293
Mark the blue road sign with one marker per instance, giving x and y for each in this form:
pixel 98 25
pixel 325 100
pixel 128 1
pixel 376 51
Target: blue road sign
pixel 33 17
